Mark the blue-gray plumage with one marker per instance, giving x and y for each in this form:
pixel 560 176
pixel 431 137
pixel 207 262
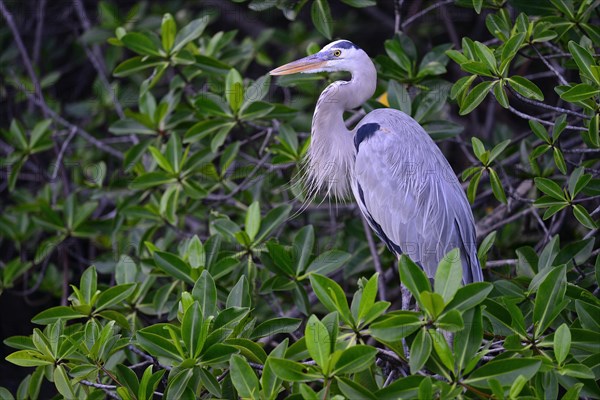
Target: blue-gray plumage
pixel 402 183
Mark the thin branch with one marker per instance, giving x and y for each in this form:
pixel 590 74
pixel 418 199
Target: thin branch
pixel 22 50
pixel 542 121
pixel 39 29
pixel 425 11
pixel 375 256
pixel 561 78
pixel 547 106
pixel 501 263
pixel 397 15
pixel 108 389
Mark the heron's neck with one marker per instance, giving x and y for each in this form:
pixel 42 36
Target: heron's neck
pixel 330 158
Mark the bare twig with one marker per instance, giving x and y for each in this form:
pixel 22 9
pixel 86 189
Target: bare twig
pixel 501 263
pixel 547 106
pixel 22 50
pixel 397 15
pixel 561 78
pixel 542 121
pixel 107 389
pixel 418 15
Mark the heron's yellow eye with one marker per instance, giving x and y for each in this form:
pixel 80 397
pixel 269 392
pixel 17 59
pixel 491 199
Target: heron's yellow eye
pixel 337 53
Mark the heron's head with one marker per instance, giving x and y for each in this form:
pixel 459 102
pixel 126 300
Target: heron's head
pixel 341 55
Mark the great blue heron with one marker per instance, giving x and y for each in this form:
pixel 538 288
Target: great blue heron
pixel 402 182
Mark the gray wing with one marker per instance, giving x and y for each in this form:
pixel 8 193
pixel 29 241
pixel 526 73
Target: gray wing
pixel 409 193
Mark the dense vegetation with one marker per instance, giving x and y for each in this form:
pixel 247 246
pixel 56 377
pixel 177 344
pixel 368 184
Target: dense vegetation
pixel 153 223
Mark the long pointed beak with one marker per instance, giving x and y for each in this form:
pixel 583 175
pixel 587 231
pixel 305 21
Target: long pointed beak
pixel 306 64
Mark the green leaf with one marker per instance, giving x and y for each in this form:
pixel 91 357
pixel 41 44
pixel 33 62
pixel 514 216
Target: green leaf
pixel 205 291
pixel 477 4
pixel 368 297
pixel 562 343
pixel 467 341
pixel 573 392
pixel 584 217
pixel 355 359
pixel 128 379
pixel 549 299
pixel 559 160
pixel 451 321
pixel 188 33
pixel 318 342
pixel 579 92
pixel 413 277
pixel 539 130
pixel 141 44
pixel 331 295
pixel 292 371
pixel 136 64
pixel 497 188
pixel 174 152
pixel 584 61
pixel 577 371
pixel 38 132
pixel 243 377
pixel 504 371
pixel 511 47
pixel 114 295
pixel 327 262
pixel 272 220
pixel 525 87
pixel 204 128
pixel 160 159
pixel 53 314
pixel 29 358
pixel 178 384
pixel 168 30
pixel 550 187
pixel 173 266
pixel 63 383
pixel 150 179
pixel 275 326
pixel 448 276
pixel 473 184
pixel 486 56
pixel 432 303
pixel 460 86
pixel 500 95
pixel 303 246
pixel 398 97
pixel 441 349
pixel 419 351
pixel 321 17
pixel 252 224
pixel 517 386
pixel 239 296
pixel 193 330
pixel 476 96
pixel 470 295
pixel 396 327
pixel 234 90
pixel 353 390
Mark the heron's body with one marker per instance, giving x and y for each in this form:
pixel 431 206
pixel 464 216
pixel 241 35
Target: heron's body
pixel 400 179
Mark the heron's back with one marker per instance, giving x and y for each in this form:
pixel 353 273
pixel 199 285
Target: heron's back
pixel 410 195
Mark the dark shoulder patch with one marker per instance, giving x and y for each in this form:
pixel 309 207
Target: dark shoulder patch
pixel 365 132
pixel 346 44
